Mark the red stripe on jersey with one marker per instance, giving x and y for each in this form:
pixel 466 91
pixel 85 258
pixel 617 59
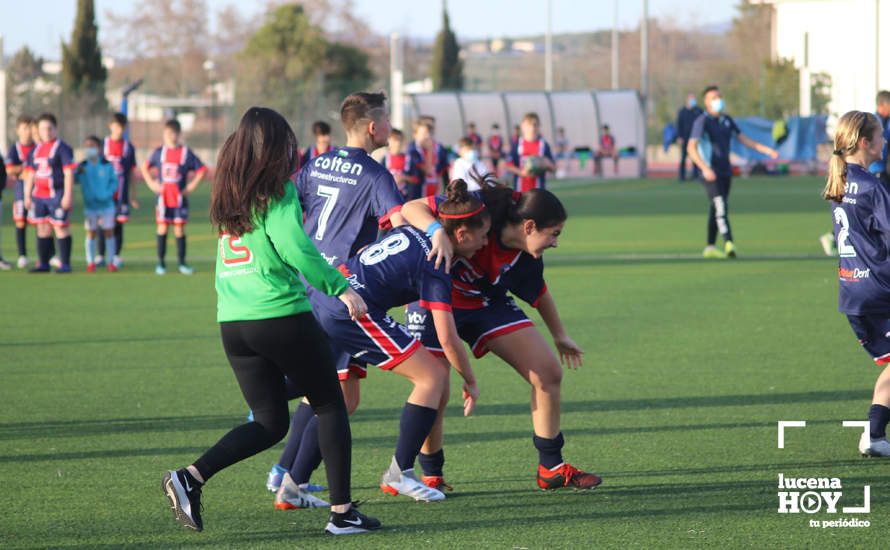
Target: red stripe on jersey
pixel 441 306
pixel 385 222
pixel 537 301
pixel 431 202
pixel 43 172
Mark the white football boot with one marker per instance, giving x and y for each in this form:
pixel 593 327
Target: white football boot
pixel 873 447
pixel 398 482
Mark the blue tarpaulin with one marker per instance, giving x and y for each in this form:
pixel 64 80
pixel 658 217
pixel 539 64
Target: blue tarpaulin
pixel 804 134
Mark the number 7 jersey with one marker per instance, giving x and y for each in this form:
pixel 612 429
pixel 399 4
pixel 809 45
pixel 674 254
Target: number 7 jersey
pixel 862 229
pixel 346 196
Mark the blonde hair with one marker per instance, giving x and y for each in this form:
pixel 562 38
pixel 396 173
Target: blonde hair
pixel 851 127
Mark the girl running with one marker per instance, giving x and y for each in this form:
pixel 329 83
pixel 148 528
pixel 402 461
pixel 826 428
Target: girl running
pixel 523 226
pixel 860 205
pixel 268 330
pixel 394 271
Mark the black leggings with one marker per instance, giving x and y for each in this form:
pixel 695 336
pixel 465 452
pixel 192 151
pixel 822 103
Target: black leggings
pixel 262 353
pixel 718 214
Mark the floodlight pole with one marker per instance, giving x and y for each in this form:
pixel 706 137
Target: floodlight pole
pixel 548 49
pixel 396 75
pixel 615 45
pixel 644 80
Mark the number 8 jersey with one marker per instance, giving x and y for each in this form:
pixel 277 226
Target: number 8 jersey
pixel 346 195
pixel 862 229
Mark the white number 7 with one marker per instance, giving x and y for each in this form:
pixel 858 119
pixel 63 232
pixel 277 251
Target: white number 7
pixel 330 194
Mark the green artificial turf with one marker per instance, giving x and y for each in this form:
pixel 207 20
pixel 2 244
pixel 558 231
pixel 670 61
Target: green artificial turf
pixel 106 380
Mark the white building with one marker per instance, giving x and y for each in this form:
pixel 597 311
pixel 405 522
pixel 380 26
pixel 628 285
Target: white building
pixel 838 37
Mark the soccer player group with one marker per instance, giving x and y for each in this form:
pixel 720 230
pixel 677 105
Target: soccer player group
pixel 46 172
pixel 310 260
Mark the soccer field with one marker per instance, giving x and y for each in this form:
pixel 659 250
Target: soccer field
pixel 106 380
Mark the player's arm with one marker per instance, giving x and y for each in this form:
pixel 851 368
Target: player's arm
pixel 199 170
pixel 757 146
pixel 570 354
pixel 547 158
pixel 456 353
pixel 68 188
pixel 131 179
pixel 419 214
pixel 150 180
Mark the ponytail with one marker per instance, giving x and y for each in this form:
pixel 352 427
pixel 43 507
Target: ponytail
pixel 508 207
pixel 851 127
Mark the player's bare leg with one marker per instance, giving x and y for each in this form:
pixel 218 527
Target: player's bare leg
pixel 432 455
pixel 529 354
pixel 418 417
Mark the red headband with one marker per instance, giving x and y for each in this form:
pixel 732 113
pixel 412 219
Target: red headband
pixel 461 216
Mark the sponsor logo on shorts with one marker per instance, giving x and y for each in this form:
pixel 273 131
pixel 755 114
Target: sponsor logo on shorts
pixel 853 275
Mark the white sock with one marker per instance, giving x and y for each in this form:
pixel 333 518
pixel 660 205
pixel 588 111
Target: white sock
pixel 90 245
pixel 110 243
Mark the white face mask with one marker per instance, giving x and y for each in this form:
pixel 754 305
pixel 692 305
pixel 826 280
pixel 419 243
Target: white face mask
pixel 471 156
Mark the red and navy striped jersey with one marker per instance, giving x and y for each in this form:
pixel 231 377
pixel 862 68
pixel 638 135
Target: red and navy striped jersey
pixel 495 145
pixel 346 196
pixel 174 164
pixel 391 272
pixel 493 271
pixel 436 158
pixel 310 153
pixel 519 152
pixel 862 228
pixel 18 154
pixel 48 161
pixel 122 155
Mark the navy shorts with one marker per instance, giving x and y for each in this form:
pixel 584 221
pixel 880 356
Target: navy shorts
pixel 49 211
pixel 476 327
pixel 122 212
pixel 375 339
pixel 873 332
pixel 170 214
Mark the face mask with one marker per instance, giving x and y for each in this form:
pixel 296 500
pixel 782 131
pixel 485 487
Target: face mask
pixel 92 153
pixel 692 103
pixel 471 156
pixel 717 105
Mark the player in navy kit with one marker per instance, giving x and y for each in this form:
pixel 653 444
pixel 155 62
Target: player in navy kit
pixel 717 129
pixel 391 272
pixel 530 147
pixel 861 214
pixel 15 163
pixel 524 225
pixel 118 150
pixel 49 190
pixel 347 197
pixel 173 172
pixel 428 157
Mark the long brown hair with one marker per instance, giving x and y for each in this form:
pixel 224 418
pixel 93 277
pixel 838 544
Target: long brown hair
pixel 508 207
pixel 853 126
pixel 254 165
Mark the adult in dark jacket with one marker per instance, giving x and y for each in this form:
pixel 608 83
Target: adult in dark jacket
pixel 685 117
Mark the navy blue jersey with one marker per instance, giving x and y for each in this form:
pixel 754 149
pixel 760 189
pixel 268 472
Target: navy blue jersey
pixel 49 161
pixel 862 230
pixel 122 155
pixel 493 271
pixel 18 155
pixel 715 135
pixel 393 271
pixel 346 196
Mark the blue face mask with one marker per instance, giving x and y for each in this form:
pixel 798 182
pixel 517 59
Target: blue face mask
pixel 91 153
pixel 471 156
pixel 717 105
pixel 692 103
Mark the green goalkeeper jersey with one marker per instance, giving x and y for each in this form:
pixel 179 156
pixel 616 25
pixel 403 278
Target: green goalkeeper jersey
pixel 258 273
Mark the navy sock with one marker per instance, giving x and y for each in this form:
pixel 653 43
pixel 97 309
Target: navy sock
pixel 180 249
pixel 415 426
pixel 549 450
pixel 20 241
pixel 432 464
pixel 162 250
pixel 65 250
pixel 101 243
pixel 43 251
pixel 297 424
pixel 878 416
pixel 52 247
pixel 309 455
pixel 119 238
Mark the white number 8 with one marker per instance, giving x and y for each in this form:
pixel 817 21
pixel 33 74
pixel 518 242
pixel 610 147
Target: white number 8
pixel 389 246
pixel 844 249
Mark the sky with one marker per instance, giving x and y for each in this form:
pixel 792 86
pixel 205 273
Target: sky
pixel 417 18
